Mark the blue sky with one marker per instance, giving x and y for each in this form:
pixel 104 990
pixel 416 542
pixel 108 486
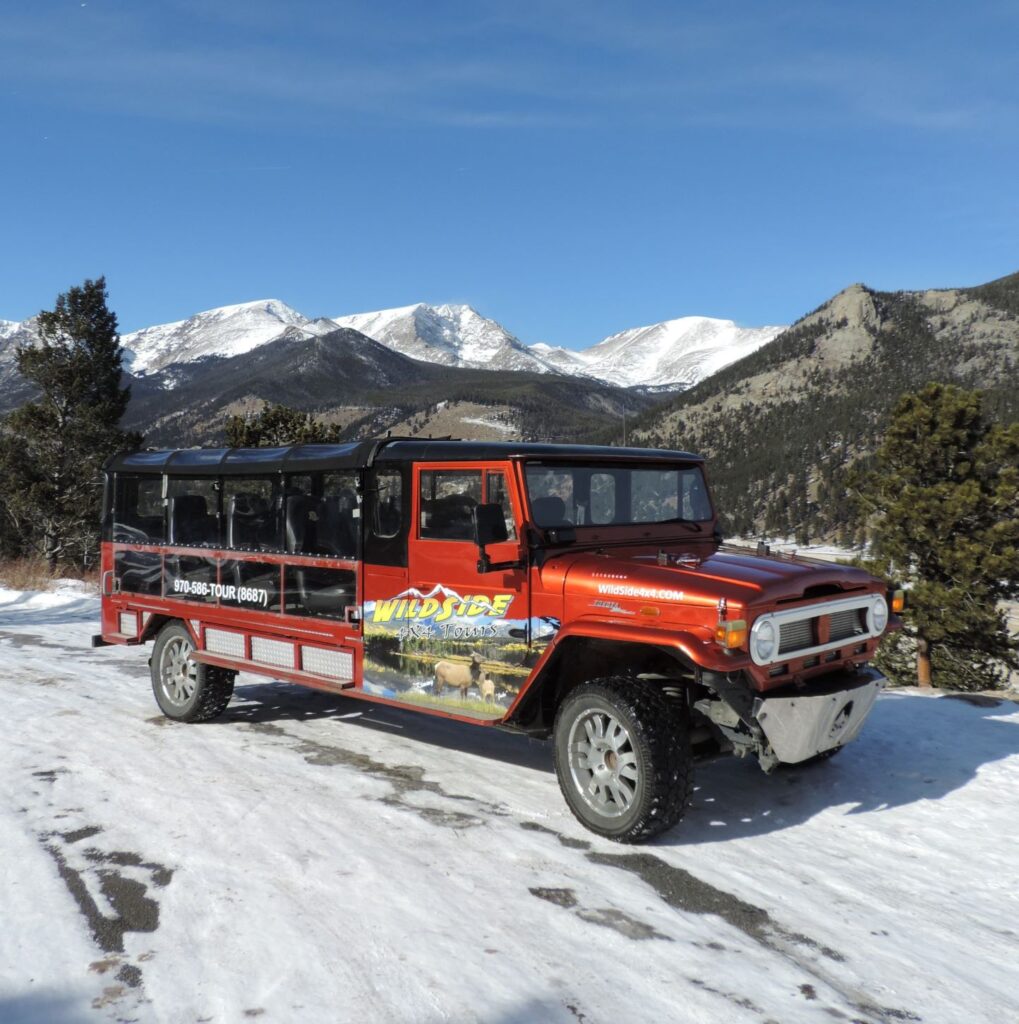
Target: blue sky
pixel 568 168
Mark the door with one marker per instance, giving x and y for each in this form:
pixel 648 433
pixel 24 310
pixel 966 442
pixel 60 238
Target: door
pixel 457 637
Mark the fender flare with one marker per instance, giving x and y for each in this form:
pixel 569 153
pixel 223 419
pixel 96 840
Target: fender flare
pixel 696 651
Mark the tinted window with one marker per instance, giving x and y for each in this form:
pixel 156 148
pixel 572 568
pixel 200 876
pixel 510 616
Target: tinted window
pixel 324 593
pixel 250 513
pixel 323 514
pixel 498 494
pixel 388 502
pixel 193 510
pixel 387 514
pixel 138 510
pixel 448 500
pixel 339 524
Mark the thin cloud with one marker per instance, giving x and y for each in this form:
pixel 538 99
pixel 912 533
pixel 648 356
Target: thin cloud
pixel 488 70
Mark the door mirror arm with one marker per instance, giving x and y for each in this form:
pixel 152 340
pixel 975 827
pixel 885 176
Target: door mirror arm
pixel 490 528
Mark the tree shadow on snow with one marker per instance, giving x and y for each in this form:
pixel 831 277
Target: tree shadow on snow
pixel 41 1008
pixel 912 748
pixel 283 702
pixel 24 611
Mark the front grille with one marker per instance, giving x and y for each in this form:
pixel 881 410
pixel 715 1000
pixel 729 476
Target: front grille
pixel 794 636
pixel 845 625
pixel 832 626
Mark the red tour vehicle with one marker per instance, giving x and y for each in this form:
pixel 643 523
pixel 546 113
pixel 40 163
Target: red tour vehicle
pixel 576 592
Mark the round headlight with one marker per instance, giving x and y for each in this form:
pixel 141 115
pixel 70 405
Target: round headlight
pixel 879 614
pixel 763 640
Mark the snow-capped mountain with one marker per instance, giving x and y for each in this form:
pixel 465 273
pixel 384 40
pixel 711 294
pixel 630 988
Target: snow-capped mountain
pixel 565 360
pixel 676 353
pixel 673 353
pixel 12 335
pixel 226 331
pixel 453 335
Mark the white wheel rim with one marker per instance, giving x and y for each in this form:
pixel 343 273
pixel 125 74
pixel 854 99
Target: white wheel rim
pixel 178 673
pixel 603 763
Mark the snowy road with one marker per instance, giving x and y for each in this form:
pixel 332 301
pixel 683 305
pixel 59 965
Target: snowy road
pixel 311 858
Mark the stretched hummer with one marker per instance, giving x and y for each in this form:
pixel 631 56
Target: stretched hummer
pixel 574 592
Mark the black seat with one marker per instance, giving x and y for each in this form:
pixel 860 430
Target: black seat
pixel 450 518
pixel 190 522
pixel 314 591
pixel 249 522
pixel 337 529
pixel 301 523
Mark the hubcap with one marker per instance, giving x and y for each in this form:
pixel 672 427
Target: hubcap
pixel 603 763
pixel 178 674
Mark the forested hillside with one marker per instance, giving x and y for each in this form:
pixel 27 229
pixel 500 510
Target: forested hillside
pixel 787 427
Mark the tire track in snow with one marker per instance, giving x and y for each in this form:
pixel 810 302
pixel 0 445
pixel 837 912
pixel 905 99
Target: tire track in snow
pixel 685 892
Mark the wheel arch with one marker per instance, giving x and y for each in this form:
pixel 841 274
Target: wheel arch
pixel 156 623
pixel 583 656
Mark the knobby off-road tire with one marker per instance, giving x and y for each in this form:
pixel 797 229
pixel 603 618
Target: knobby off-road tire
pixel 186 690
pixel 623 759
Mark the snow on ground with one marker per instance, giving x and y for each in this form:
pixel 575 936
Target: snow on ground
pixel 789 546
pixel 314 858
pixel 480 421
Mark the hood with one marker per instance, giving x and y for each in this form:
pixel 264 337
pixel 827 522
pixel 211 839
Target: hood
pixel 732 573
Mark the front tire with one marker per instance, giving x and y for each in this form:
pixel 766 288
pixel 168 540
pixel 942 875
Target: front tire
pixel 186 690
pixel 623 759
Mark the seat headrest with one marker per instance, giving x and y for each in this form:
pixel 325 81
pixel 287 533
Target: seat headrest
pixel 189 505
pixel 549 511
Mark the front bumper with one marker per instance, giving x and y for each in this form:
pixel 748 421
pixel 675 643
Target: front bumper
pixel 802 725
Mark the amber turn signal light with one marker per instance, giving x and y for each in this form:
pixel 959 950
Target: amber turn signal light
pixel 731 634
pixel 898 601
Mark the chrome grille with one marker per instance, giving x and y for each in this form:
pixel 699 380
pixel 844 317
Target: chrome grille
pixel 845 625
pixel 848 622
pixel 796 635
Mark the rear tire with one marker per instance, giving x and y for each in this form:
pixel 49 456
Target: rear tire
pixel 623 759
pixel 186 690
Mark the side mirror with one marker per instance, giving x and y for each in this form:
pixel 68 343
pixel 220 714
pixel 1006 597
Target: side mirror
pixel 489 528
pixel 489 525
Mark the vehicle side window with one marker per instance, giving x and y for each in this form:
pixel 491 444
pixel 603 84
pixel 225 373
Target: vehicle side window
pixel 339 516
pixel 448 500
pixel 498 494
pixel 250 513
pixel 138 510
pixel 323 515
pixel 388 502
pixel 193 511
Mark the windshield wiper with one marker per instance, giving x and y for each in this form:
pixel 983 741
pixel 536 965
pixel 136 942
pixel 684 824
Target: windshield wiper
pixel 680 521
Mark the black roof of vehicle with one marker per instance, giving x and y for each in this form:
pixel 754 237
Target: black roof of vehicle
pixel 357 454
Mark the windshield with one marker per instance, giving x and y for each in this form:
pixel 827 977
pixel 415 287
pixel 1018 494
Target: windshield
pixel 614 494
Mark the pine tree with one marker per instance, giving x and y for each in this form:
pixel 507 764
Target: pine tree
pixel 52 450
pixel 946 497
pixel 278 425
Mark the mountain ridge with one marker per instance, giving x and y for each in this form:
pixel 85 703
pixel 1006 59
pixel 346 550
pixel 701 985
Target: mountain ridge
pixel 673 354
pixel 787 426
